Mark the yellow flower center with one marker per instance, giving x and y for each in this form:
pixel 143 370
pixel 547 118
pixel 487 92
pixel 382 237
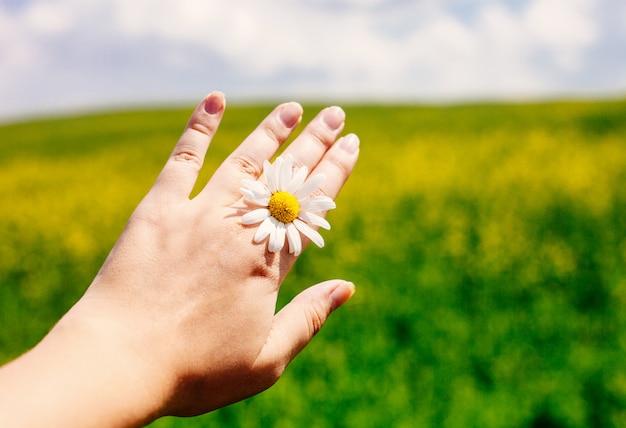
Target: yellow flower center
pixel 284 207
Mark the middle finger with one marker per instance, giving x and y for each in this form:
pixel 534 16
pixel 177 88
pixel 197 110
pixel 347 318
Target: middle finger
pixel 318 136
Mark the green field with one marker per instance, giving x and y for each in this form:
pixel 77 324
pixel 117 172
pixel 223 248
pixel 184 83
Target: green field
pixel 487 243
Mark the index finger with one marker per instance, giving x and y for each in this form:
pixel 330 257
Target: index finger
pixel 179 175
pixel 247 159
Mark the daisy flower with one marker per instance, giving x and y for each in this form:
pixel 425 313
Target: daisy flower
pixel 286 207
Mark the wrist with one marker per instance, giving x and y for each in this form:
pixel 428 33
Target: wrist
pixel 85 372
pixel 118 367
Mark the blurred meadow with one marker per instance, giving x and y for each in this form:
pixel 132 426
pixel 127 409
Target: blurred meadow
pixel 487 243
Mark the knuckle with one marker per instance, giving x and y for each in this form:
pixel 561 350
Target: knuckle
pixel 273 134
pixel 263 271
pixel 316 315
pixel 322 138
pixel 188 156
pixel 246 165
pixel 340 165
pixel 192 145
pixel 206 128
pixel 265 268
pixel 190 149
pixel 270 132
pixel 336 166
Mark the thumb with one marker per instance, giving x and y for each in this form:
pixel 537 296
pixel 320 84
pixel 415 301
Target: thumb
pixel 295 325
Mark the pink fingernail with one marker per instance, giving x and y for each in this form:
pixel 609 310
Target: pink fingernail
pixel 350 143
pixel 290 114
pixel 341 294
pixel 334 117
pixel 215 103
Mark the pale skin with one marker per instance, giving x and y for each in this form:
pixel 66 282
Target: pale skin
pixel 181 320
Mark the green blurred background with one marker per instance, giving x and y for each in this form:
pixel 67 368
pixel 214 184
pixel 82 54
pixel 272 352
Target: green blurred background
pixel 487 243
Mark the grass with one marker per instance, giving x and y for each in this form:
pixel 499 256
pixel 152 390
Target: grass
pixel 487 242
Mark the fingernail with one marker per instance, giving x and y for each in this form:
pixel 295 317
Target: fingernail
pixel 214 103
pixel 334 117
pixel 290 114
pixel 341 294
pixel 350 143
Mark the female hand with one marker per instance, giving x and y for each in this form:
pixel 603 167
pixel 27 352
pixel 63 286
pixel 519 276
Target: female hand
pixel 181 318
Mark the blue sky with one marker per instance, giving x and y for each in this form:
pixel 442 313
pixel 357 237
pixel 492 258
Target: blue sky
pixel 60 56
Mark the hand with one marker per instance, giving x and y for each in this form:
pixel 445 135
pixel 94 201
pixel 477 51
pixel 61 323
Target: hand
pixel 184 306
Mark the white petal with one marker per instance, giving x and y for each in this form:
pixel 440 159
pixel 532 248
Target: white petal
pixel 278 164
pixel 270 175
pixel 314 219
pixel 255 216
pixel 293 237
pixel 310 186
pixel 284 173
pixel 277 237
pixel 254 197
pixel 317 204
pixel 265 229
pixel 309 232
pixel 254 185
pixel 297 179
pixel 247 193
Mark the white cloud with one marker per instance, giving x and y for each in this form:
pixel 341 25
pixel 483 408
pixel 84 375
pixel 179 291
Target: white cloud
pixel 564 27
pixel 17 49
pixel 48 18
pixel 71 52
